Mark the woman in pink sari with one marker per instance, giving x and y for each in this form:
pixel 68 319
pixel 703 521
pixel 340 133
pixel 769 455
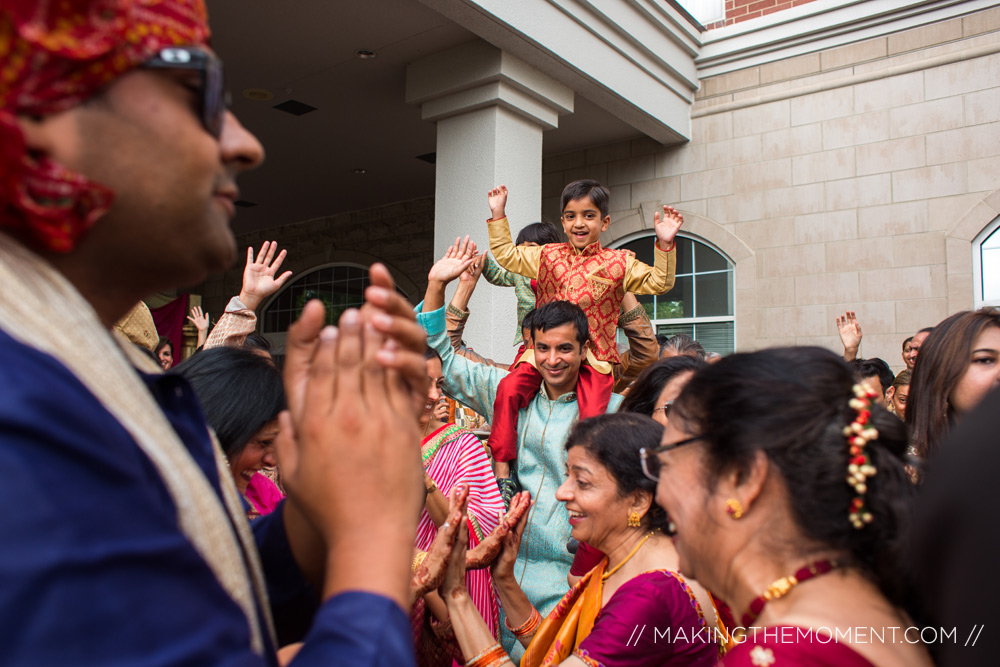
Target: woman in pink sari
pixel 454 456
pixel 241 394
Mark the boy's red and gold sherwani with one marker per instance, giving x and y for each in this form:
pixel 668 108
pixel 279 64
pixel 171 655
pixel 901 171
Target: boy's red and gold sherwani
pixel 596 279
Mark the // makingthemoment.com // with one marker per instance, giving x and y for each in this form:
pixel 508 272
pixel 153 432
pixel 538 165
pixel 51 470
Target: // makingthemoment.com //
pixel 798 635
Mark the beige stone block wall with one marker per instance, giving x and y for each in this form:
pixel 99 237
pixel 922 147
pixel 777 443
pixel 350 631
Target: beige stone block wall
pixel 400 235
pixel 848 179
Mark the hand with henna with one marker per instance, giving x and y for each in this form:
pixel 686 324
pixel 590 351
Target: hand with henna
pixel 503 565
pixel 431 572
pixel 453 584
pixel 484 553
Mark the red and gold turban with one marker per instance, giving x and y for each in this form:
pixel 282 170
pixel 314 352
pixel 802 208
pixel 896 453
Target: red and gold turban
pixel 53 55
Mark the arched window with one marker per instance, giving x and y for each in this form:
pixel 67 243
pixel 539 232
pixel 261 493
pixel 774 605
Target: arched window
pixel 986 265
pixel 701 301
pixel 339 286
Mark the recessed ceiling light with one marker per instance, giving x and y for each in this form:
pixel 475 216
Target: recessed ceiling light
pixel 360 172
pixel 364 54
pixel 258 94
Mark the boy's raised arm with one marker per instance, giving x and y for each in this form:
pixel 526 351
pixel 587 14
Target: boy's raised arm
pixel 523 261
pixel 468 382
pixel 641 278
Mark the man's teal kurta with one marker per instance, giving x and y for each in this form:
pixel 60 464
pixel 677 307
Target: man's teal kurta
pixel 543 562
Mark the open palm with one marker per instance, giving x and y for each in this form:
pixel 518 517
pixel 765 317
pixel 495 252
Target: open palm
pixel 667 225
pixel 459 257
pixel 258 275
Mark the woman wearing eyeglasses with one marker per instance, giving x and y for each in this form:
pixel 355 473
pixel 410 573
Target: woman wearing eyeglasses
pixel 633 608
pixel 784 483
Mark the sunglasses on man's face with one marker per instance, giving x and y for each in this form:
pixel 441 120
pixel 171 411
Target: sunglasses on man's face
pixel 212 98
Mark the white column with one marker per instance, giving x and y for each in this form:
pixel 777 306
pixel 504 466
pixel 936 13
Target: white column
pixel 490 110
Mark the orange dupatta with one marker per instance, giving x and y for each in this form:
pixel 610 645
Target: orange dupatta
pixel 570 622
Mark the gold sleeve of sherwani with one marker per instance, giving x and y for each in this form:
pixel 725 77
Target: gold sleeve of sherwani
pixel 522 261
pixel 642 278
pixel 232 329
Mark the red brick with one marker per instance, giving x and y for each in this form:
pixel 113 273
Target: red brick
pixel 762 5
pixel 747 17
pixel 736 13
pixel 777 8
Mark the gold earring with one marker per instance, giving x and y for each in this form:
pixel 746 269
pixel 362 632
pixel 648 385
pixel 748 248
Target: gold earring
pixel 734 508
pixel 634 519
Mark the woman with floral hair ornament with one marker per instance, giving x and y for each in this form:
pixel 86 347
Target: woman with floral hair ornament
pixel 785 486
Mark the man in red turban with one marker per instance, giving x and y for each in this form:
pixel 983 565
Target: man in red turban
pixel 124 541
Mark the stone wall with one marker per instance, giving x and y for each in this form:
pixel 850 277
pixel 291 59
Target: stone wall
pixel 848 179
pixel 400 235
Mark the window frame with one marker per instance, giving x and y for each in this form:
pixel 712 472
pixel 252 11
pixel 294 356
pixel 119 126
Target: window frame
pixel 989 230
pixel 278 339
pixel 694 321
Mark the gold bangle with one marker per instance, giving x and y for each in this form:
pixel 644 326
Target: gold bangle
pixel 418 560
pixel 432 488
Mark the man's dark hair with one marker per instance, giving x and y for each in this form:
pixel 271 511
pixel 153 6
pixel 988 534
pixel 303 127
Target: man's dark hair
pixel 557 313
pixel 239 391
pixel 538 232
pixel 591 189
pixel 873 368
pixel 926 330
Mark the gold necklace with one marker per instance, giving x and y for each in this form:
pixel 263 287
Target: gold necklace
pixel 606 575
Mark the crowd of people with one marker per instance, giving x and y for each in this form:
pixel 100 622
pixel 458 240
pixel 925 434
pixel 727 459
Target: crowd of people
pixel 659 504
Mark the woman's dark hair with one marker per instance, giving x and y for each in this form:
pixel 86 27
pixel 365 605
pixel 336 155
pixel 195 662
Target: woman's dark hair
pixel 614 440
pixel 941 362
pixel 792 404
pixel 162 343
pixel 147 353
pixel 649 385
pixel 431 353
pixel 589 188
pixel 256 341
pixel 537 232
pixel 239 391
